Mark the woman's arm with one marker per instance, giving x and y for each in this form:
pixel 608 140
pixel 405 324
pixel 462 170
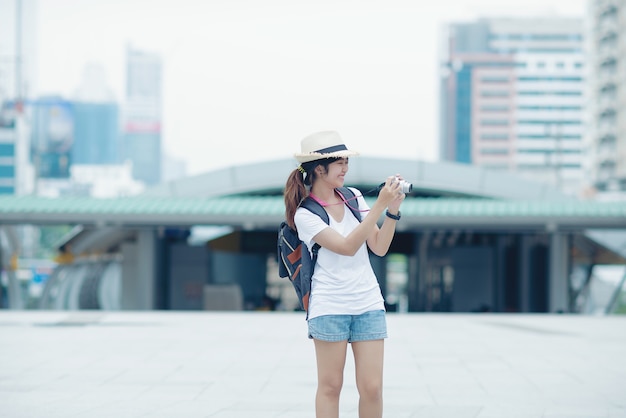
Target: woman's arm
pixel 380 239
pixel 349 245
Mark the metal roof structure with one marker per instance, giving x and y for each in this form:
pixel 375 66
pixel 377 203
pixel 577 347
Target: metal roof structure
pixel 250 196
pixel 251 212
pixel 428 178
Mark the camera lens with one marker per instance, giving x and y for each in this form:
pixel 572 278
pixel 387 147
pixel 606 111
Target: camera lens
pixel 405 186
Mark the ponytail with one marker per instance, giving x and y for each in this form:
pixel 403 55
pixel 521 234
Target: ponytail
pixel 296 187
pixel 295 192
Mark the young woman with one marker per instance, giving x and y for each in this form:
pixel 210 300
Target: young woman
pixel 346 304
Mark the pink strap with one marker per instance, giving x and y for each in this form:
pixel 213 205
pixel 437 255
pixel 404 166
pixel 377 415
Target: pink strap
pixel 343 199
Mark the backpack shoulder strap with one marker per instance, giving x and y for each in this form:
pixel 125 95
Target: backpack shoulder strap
pixel 313 206
pixel 348 194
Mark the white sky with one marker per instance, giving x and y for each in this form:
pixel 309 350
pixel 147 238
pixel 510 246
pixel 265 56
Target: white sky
pixel 245 80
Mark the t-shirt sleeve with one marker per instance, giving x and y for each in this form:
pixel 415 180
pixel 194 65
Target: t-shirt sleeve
pixel 308 225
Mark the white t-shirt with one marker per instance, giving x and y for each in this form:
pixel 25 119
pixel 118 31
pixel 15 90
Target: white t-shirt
pixel 341 284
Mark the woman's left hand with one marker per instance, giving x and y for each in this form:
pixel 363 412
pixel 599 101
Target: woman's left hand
pixel 394 205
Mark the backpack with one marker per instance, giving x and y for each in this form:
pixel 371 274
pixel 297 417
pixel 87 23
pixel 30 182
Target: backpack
pixel 294 260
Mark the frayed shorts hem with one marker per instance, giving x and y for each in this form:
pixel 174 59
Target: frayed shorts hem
pixel 369 326
pixel 355 339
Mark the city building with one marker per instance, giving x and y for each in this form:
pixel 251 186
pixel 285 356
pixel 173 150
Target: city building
pixel 18 65
pixel 8 143
pixel 106 181
pixel 96 133
pixel 606 140
pixel 52 136
pixel 16 171
pixel 18 49
pixel 97 138
pixel 94 180
pixel 142 115
pixel 512 97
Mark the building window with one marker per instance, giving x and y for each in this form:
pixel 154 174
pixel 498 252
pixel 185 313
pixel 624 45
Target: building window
pixel 548 93
pixel 494 93
pixel 536 37
pixel 494 137
pixel 547 151
pixel 7 171
pixel 543 136
pixel 495 79
pixel 550 78
pixel 494 151
pixel 549 108
pixel 495 166
pixel 545 122
pixel 494 122
pixel 7 150
pixel 495 108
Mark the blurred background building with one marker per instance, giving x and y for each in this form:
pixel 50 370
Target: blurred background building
pixel 18 75
pixel 142 115
pixel 52 139
pixel 606 136
pixel 512 97
pixel 97 138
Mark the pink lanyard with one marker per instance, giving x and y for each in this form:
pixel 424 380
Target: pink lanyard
pixel 343 200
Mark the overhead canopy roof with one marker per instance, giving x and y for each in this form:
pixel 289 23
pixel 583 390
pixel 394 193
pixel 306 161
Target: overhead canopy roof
pixel 263 212
pixel 250 196
pixel 428 178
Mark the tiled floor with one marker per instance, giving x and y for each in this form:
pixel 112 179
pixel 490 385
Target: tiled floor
pixel 244 365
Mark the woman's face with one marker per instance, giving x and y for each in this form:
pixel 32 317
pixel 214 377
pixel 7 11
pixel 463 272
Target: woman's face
pixel 336 172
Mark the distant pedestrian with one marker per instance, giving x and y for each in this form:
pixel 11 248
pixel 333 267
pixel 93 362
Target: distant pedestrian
pixel 346 304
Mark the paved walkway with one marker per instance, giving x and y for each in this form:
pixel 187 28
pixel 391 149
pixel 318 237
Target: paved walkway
pixel 254 365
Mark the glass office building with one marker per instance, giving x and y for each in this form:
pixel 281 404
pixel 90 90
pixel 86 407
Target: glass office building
pixel 512 97
pixel 96 133
pixel 142 116
pixel 607 114
pixel 52 137
pixel 8 151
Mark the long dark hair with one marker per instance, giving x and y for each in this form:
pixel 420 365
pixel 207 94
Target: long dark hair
pixel 296 186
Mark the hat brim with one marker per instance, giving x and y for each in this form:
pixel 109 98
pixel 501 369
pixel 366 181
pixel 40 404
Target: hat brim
pixel 312 156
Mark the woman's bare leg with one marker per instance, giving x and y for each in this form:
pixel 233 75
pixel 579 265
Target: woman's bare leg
pixel 331 359
pixel 368 360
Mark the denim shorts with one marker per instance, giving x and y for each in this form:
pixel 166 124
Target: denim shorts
pixel 369 326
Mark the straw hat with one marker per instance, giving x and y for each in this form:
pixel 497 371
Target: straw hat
pixel 325 144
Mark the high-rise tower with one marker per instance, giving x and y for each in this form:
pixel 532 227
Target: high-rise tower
pixel 512 97
pixel 18 66
pixel 607 97
pixel 142 115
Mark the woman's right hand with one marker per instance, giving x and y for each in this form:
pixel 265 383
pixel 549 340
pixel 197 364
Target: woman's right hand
pixel 390 190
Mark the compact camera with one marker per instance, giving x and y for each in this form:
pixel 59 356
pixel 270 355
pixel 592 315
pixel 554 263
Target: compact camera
pixel 405 186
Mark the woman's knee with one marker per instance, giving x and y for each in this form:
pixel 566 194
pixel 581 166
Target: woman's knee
pixel 330 386
pixel 370 389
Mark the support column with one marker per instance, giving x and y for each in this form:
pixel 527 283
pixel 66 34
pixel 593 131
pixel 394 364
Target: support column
pixel 417 261
pixel 558 284
pixel 9 263
pixel 139 273
pixel 525 287
pixel 500 276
